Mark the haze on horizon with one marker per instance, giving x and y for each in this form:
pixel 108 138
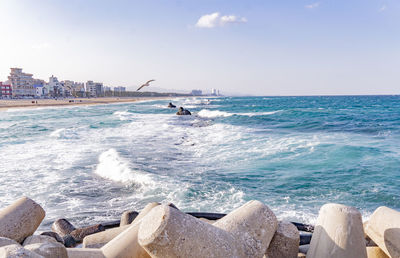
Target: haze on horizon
pixel 250 46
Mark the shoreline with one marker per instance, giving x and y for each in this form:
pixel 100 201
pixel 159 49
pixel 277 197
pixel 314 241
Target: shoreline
pixel 27 103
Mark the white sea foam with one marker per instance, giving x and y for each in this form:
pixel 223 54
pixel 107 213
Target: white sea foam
pixel 57 133
pixel 213 113
pixel 123 115
pixel 216 113
pixel 112 166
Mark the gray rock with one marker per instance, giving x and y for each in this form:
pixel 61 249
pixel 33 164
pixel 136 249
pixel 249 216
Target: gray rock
pixel 183 112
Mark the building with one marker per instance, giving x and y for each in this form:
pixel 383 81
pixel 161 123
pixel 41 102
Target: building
pixel 21 83
pixel 39 90
pixel 197 92
pixel 119 89
pixel 214 92
pixel 5 91
pixel 39 86
pixel 55 88
pixel 95 89
pixel 107 89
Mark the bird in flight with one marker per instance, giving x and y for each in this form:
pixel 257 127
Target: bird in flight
pixel 146 84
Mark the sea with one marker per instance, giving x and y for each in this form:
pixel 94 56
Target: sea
pixel 90 163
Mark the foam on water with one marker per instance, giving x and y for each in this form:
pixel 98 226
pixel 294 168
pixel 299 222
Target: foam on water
pixel 112 166
pixel 213 113
pixel 89 164
pixel 217 113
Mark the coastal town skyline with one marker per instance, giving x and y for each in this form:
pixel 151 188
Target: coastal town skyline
pixel 20 84
pixel 290 48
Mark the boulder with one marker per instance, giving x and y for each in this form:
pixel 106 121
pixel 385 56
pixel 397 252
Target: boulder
pixel 62 227
pixel 48 250
pixel 253 224
pixel 338 233
pixel 183 112
pixel 168 232
pixel 20 219
pixel 17 251
pixel 170 105
pixel 38 239
pixel 285 243
pixel 384 229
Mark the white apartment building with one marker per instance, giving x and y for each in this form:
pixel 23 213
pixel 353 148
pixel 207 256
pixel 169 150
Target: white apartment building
pixel 54 87
pixel 21 83
pixel 95 89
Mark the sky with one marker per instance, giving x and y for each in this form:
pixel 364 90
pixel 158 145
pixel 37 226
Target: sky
pixel 251 47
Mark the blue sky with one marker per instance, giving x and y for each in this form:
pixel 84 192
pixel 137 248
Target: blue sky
pixel 250 46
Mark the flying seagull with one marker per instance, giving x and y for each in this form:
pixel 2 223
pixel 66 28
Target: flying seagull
pixel 146 84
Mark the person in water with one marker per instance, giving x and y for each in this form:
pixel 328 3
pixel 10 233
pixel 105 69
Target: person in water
pixel 170 105
pixel 183 112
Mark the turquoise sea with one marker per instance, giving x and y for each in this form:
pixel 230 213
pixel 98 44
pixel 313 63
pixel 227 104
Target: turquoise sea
pixel 90 163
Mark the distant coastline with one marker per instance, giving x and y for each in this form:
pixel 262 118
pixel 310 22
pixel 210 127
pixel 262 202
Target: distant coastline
pixel 6 104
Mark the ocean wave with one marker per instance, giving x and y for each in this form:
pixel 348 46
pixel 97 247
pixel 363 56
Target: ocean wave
pixel 113 167
pixel 216 113
pixel 213 113
pixel 123 115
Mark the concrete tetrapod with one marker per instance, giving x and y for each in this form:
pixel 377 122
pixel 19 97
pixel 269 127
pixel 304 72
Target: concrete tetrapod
pixel 127 217
pixel 17 251
pixel 100 239
pixel 62 227
pixel 85 253
pixel 48 250
pixel 253 224
pixel 34 239
pixel 6 241
pixel 126 243
pixel 167 232
pixel 20 219
pixel 375 252
pixel 338 233
pixel 285 243
pixel 384 228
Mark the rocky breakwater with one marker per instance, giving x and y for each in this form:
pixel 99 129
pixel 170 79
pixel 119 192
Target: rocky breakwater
pixel 159 230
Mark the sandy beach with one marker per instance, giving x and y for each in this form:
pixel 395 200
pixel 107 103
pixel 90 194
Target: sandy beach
pixel 26 103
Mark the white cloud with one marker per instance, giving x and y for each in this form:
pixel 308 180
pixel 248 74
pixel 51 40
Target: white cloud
pixel 208 20
pixel 216 20
pixel 383 8
pixel 312 6
pixel 232 19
